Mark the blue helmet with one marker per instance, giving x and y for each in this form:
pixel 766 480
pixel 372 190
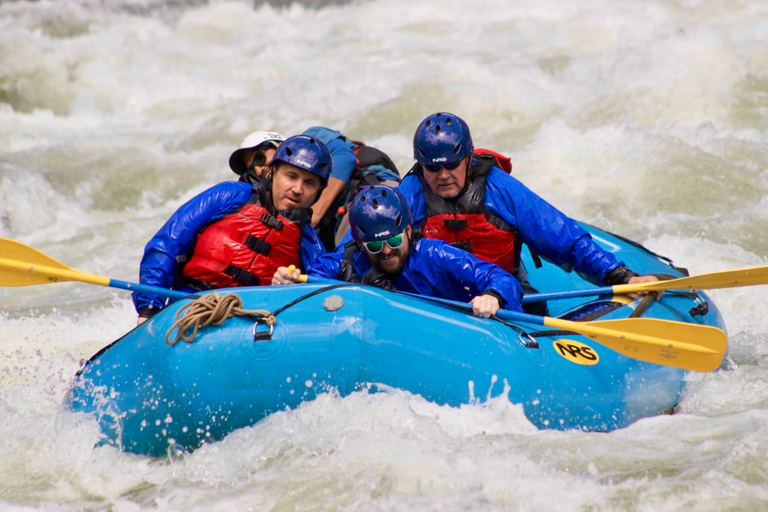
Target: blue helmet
pixel 442 138
pixel 306 153
pixel 378 212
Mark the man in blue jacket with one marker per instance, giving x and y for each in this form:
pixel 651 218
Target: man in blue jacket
pixel 384 252
pixel 239 233
pixel 464 198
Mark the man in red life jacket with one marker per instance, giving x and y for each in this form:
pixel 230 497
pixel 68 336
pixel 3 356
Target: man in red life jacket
pixel 239 233
pixel 464 198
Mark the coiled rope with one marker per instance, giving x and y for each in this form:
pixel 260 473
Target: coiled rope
pixel 211 309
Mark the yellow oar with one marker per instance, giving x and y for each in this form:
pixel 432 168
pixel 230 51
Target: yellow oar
pixel 694 347
pixel 22 265
pixel 727 279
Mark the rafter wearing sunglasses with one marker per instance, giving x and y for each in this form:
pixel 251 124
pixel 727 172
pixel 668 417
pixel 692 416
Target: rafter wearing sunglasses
pixel 376 246
pixel 436 167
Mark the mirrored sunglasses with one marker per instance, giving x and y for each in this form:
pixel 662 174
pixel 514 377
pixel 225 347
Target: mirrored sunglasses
pixel 376 246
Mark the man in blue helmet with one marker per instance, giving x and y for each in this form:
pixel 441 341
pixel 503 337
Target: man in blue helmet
pixel 461 196
pixel 385 253
pixel 239 233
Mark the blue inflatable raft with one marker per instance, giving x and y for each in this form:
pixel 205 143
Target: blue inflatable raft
pixel 153 398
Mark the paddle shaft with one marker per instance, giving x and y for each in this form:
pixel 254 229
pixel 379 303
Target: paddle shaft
pixel 54 275
pixel 753 276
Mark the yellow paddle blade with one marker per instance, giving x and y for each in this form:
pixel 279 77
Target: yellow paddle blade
pixel 22 265
pixel 693 347
pixel 712 281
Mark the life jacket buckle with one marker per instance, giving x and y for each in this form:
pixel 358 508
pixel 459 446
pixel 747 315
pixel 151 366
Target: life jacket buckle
pixel 271 221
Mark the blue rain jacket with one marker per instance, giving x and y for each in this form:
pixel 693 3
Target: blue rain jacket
pixel 549 232
pixel 437 269
pixel 177 237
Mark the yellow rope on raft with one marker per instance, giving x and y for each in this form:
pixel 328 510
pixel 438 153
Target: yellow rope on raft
pixel 210 309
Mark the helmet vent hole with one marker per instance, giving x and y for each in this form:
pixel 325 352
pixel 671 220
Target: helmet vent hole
pixel 383 193
pixel 289 152
pixel 437 129
pixel 311 141
pixel 428 124
pixel 362 230
pixel 457 149
pixel 398 220
pixel 448 121
pixel 375 203
pixel 322 165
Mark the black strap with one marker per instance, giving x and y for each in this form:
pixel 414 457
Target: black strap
pixel 242 276
pixel 346 268
pixel 258 245
pixel 271 221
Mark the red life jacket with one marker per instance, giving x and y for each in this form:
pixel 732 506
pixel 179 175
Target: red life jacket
pixel 502 162
pixel 466 223
pixel 246 247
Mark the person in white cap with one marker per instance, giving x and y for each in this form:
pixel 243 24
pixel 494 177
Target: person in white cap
pixel 255 153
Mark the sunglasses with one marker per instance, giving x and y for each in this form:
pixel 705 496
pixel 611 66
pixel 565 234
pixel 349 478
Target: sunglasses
pixel 376 246
pixel 436 167
pixel 259 160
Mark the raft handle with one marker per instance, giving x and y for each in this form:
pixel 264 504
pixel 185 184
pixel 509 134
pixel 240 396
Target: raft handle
pixel 263 335
pixel 700 307
pixel 527 340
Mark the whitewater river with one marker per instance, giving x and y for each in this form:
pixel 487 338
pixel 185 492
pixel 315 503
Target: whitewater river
pixel 648 118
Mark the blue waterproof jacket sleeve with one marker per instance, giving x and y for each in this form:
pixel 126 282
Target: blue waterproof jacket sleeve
pixel 549 232
pixel 553 235
pixel 328 265
pixel 344 159
pixel 177 236
pixel 311 247
pixel 437 269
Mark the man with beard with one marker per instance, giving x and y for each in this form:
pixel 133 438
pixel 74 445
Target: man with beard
pixel 384 252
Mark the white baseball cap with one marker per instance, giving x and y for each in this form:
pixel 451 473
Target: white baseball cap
pixel 252 141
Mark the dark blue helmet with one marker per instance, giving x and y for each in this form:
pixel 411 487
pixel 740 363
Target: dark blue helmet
pixel 378 212
pixel 442 138
pixel 306 153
